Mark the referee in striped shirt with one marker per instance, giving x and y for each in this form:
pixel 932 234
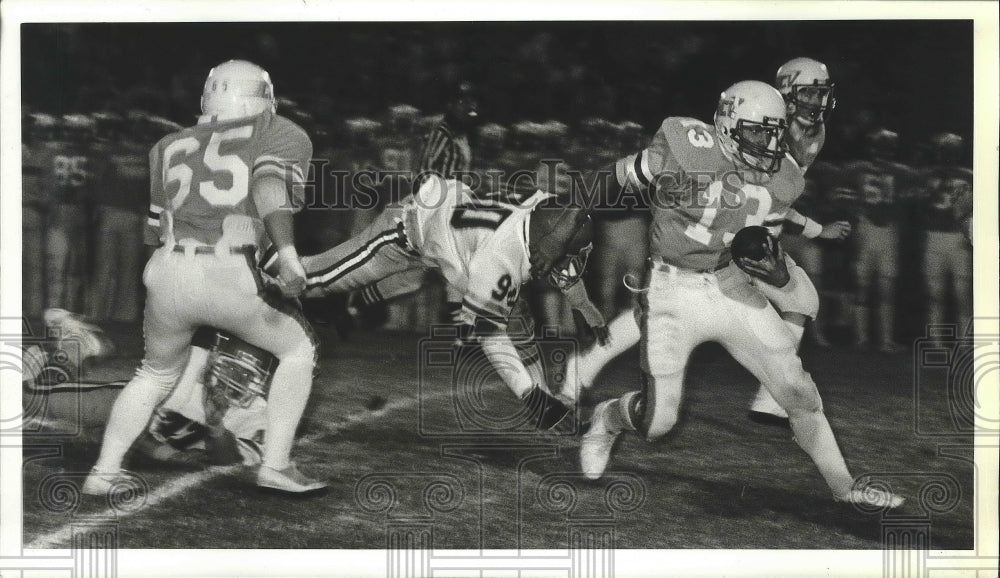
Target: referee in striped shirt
pixel 446 148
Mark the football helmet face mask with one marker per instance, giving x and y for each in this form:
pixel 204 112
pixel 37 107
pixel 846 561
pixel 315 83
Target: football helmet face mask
pixel 236 89
pixel 805 85
pixel 242 371
pixel 750 124
pixel 548 216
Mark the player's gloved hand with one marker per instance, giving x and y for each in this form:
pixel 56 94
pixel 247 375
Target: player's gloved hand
pixel 548 413
pixel 836 230
pixel 760 255
pixel 291 273
pixel 578 299
pixel 593 321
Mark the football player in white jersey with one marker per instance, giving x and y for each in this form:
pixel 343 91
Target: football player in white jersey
pixel 481 246
pixel 214 416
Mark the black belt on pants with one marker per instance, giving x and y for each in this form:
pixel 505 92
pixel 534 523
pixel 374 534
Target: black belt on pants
pixel 250 250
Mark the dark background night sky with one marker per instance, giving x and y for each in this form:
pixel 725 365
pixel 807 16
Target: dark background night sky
pixel 913 76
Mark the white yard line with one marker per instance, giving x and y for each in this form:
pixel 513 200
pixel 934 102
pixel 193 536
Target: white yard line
pixel 168 490
pixel 188 481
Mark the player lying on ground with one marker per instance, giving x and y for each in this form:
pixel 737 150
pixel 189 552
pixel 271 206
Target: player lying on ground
pixel 481 247
pixel 695 293
pixel 808 92
pixel 215 415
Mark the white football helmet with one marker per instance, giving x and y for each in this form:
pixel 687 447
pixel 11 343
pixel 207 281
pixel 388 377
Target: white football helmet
pixel 750 124
pixel 235 89
pixel 808 91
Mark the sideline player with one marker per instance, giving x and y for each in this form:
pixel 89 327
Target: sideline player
pixel 881 184
pixel 482 249
pixel 807 90
pixel 946 217
pixel 695 293
pixel 216 188
pixel 67 180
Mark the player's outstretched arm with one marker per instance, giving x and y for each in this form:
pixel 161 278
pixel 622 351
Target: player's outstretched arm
pixel 811 229
pixel 271 198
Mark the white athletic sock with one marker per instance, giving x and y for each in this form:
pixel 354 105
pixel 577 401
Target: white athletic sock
pixel 813 434
pixel 285 404
pixel 129 417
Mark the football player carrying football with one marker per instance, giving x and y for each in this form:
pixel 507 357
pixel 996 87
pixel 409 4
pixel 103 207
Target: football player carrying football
pixel 481 247
pixel 807 89
pixel 216 188
pixel 706 183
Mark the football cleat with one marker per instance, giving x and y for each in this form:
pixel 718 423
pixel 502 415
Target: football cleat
pixel 68 327
pixel 871 498
pixel 596 444
pixel 109 483
pixel 289 481
pixel 547 412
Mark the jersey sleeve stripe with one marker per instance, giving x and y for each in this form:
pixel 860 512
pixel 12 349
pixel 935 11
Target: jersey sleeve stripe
pixel 642 168
pixel 279 167
pixel 331 273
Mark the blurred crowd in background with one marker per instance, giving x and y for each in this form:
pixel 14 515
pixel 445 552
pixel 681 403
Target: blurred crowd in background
pixel 368 95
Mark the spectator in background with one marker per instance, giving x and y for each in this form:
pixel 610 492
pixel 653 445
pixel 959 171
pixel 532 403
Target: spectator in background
pixel 120 192
pixel 947 206
pixel 67 179
pixel 37 129
pixel 879 182
pixel 446 151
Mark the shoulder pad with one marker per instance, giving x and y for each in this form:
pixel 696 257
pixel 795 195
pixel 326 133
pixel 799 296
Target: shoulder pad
pixel 691 143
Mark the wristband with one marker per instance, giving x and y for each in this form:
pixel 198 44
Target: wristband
pixel 811 229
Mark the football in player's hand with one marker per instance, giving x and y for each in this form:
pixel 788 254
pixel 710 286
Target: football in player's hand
pixel 757 252
pixel 752 243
